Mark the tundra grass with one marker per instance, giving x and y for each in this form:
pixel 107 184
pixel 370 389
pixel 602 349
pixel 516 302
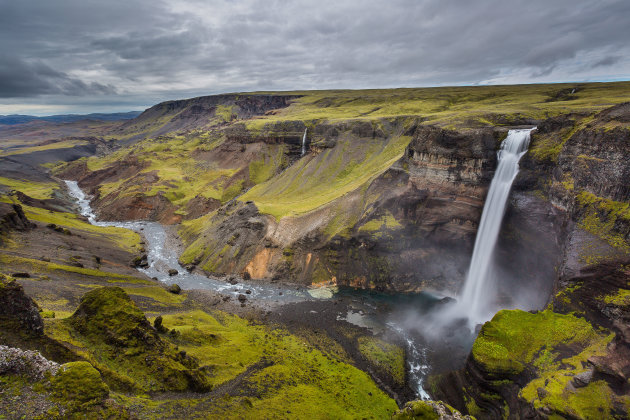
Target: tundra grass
pixel 389 357
pixel 37 190
pixel 451 106
pixel 158 294
pixel 44 267
pixel 65 144
pixel 509 342
pixel 123 238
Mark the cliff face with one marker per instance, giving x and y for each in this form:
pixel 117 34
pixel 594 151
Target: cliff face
pixel 574 361
pixel 391 232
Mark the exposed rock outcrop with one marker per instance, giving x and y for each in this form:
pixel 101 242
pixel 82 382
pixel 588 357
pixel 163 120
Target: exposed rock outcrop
pixel 423 410
pixel 16 306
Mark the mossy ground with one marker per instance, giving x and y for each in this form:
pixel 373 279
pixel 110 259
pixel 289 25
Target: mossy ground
pixel 250 368
pixel 64 144
pixel 514 339
pixel 551 348
pixel 451 106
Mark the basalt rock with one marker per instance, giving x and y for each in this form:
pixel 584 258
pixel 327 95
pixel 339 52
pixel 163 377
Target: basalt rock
pixel 12 217
pixel 16 306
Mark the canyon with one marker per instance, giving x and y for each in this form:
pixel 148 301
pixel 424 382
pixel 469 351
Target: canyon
pixel 379 192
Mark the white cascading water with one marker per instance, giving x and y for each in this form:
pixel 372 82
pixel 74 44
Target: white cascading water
pixel 476 297
pixel 304 142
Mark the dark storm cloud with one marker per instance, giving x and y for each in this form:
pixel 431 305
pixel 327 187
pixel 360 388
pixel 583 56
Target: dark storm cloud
pixel 153 50
pixel 23 79
pixel 607 61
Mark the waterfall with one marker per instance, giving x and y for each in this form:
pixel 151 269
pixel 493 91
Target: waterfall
pixel 304 142
pixel 477 295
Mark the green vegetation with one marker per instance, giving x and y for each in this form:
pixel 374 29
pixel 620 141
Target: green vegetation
pixel 284 374
pixel 38 190
pixel 79 383
pixel 426 410
pixel 274 374
pixel 449 106
pixel 590 402
pixel 123 238
pixel 50 267
pixel 111 332
pixel 514 338
pixel 601 216
pixel 157 294
pixel 621 298
pixel 313 182
pixel 378 226
pixel 65 144
pixel 556 349
pixel 386 356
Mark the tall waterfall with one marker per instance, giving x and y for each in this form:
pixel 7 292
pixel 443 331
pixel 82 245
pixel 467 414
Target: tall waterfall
pixel 304 142
pixel 476 297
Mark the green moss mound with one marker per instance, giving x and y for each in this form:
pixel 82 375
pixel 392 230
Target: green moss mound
pixel 112 332
pixel 386 356
pixel 78 383
pixel 508 343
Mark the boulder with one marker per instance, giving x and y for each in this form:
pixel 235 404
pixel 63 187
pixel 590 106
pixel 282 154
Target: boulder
pixel 175 289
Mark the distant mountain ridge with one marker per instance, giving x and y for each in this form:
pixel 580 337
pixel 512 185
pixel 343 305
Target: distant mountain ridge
pixel 22 119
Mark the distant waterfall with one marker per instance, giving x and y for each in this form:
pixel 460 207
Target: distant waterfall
pixel 476 296
pixel 304 142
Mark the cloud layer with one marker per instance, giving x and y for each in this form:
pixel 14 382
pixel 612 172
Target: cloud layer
pixel 88 55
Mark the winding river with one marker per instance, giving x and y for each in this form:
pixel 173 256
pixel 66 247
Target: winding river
pixel 162 258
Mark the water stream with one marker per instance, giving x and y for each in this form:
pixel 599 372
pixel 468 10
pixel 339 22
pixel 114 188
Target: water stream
pixel 304 142
pixel 162 258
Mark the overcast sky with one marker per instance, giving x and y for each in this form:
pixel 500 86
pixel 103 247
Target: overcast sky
pixel 81 56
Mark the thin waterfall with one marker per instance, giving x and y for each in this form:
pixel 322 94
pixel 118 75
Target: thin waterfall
pixel 304 142
pixel 477 295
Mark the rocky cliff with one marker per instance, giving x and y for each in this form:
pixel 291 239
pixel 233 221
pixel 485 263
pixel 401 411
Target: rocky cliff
pixel 572 359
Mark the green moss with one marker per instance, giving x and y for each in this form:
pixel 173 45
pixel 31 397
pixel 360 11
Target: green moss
pixel 425 410
pixel 224 112
pixel 380 225
pixel 285 376
pixel 512 339
pixel 314 182
pixel 386 356
pixel 621 298
pixel 78 383
pixel 267 166
pixel 601 216
pixel 123 238
pixel 591 402
pixel 49 267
